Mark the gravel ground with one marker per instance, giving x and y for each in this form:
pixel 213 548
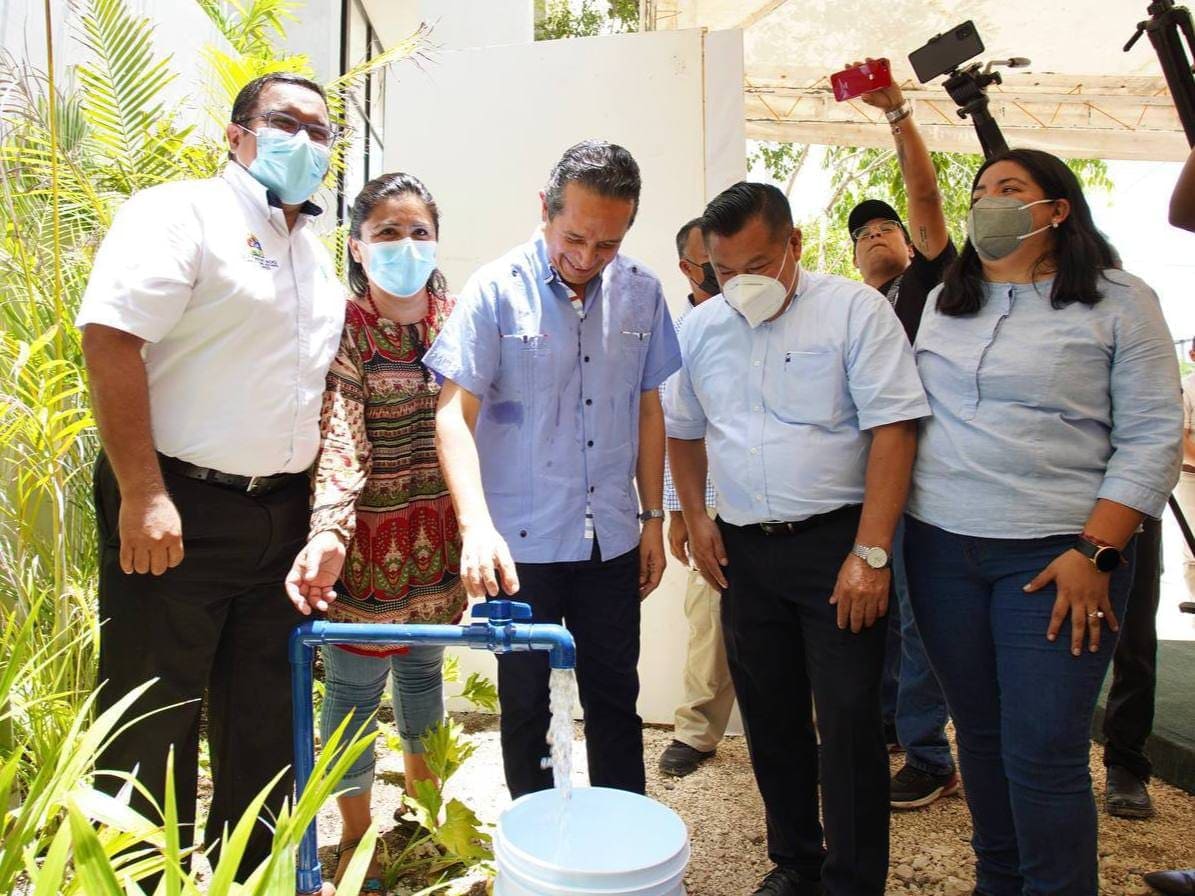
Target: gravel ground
pixel 931 852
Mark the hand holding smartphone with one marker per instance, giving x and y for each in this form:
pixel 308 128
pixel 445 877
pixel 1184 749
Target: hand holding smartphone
pixel 860 79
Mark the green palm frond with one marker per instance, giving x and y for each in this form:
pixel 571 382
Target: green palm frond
pixel 229 72
pixel 412 48
pixel 122 90
pixel 252 29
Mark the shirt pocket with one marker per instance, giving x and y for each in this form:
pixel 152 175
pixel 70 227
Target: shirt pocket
pixel 632 353
pixel 808 389
pixel 523 357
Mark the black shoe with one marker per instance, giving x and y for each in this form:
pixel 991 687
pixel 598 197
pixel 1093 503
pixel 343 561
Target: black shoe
pixel 680 759
pixel 1126 795
pixel 787 882
pixel 911 788
pixel 1172 883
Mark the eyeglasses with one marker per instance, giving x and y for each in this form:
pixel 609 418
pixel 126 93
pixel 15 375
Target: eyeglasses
pixel 882 228
pixel 318 133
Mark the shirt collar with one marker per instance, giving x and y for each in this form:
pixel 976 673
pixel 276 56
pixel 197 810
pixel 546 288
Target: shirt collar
pixel 547 272
pixel 802 286
pixel 263 197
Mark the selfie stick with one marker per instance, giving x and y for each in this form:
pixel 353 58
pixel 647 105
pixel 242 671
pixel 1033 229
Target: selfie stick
pixel 1167 27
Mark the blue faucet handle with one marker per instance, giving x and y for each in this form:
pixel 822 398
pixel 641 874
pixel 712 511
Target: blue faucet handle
pixel 501 611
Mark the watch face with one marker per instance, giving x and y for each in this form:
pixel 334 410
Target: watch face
pixel 1106 559
pixel 877 558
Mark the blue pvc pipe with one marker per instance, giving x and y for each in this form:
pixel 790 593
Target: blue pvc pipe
pixel 500 633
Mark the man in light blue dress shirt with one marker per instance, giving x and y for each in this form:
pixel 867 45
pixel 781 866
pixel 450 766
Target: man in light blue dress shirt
pixel 548 418
pixel 805 392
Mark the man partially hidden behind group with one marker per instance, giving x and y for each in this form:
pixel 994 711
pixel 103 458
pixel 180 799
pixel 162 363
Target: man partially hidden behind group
pixel 211 317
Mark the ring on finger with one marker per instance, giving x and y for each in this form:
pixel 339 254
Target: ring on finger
pixel 1096 614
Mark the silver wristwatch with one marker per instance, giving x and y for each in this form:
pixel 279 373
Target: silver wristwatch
pixel 876 558
pixel 651 515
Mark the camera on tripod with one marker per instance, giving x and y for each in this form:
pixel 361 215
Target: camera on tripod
pixel 1172 34
pixel 946 53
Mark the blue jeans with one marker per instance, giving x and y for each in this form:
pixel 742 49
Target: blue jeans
pixel 353 683
pixel 913 699
pixel 1022 706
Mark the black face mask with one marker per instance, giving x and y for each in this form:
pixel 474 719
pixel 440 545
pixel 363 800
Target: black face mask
pixel 710 284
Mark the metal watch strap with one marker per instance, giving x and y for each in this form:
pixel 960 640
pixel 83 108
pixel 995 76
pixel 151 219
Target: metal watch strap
pixel 900 113
pixel 863 552
pixel 651 515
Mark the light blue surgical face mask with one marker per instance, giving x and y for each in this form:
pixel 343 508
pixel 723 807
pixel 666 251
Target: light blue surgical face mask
pixel 401 267
pixel 289 164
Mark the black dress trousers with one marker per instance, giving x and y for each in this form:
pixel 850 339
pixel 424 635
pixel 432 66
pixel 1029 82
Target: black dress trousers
pixel 216 624
pixel 598 600
pixel 783 644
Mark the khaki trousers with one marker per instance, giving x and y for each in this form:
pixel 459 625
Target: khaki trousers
pixel 709 693
pixel 1185 493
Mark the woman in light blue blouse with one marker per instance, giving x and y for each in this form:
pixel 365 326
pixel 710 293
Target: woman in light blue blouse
pixel 1056 427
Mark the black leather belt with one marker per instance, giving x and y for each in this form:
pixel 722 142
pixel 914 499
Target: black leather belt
pixel 249 485
pixel 782 528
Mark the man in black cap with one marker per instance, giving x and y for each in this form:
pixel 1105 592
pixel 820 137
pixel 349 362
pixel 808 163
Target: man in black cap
pixel 905 264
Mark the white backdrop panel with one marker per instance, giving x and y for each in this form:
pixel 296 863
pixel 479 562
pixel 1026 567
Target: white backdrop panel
pixel 483 127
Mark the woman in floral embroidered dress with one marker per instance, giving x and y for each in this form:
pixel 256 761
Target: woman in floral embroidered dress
pixel 382 521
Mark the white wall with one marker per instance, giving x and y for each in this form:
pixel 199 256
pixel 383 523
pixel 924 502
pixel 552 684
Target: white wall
pixel 483 127
pixel 456 24
pixel 316 33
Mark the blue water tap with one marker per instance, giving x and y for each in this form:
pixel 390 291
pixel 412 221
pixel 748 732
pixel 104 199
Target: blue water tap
pixel 503 630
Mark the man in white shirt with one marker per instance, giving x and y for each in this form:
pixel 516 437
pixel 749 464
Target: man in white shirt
pixel 209 322
pixel 804 389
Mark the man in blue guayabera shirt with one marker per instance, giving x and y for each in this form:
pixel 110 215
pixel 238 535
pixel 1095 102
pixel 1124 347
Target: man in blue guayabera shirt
pixel 548 416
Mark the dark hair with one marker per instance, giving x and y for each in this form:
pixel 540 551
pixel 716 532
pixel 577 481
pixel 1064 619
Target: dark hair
pixel 1080 253
pixel 244 107
pixel 682 235
pixel 732 209
pixel 389 186
pixel 606 168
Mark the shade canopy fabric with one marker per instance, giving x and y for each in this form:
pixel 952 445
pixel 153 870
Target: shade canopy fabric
pixel 1081 96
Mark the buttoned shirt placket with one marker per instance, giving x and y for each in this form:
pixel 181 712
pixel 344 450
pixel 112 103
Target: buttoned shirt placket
pixel 303 305
pixel 578 303
pixel 757 418
pixel 971 405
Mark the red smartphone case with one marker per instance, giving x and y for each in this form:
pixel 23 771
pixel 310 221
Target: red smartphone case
pixel 852 82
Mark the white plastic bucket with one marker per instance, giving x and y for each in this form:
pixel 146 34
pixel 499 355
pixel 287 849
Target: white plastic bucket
pixel 603 843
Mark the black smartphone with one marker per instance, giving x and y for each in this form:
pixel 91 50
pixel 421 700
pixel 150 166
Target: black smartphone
pixel 946 52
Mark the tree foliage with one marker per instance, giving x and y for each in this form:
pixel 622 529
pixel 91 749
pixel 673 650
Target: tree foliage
pixel 856 174
pixel 588 18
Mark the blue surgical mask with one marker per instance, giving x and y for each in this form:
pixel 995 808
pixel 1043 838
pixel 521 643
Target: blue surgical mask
pixel 289 164
pixel 401 267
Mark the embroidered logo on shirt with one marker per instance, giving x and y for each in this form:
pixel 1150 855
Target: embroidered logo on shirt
pixel 257 255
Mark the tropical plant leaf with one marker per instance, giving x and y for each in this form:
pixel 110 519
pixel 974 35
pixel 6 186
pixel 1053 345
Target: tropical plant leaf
pixel 91 862
pixel 481 692
pixel 122 95
pixel 461 834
